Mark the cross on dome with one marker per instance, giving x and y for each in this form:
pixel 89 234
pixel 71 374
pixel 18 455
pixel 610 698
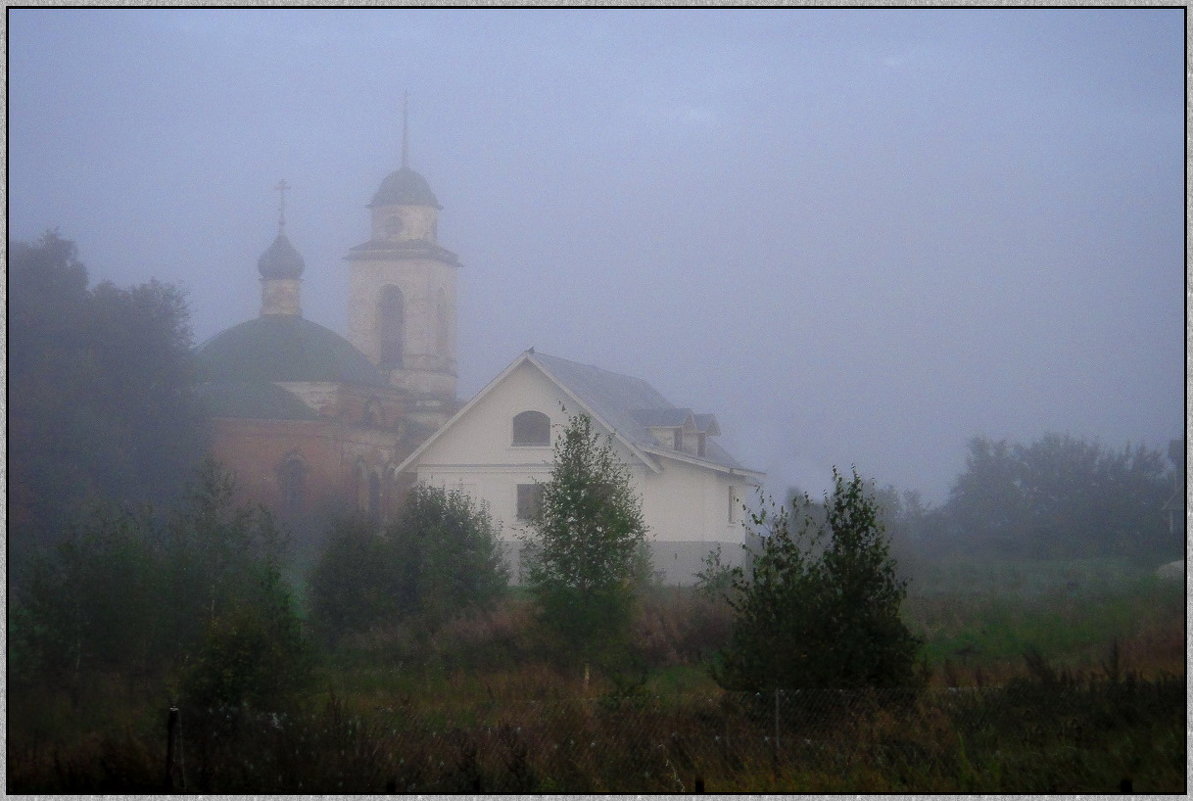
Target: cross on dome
pixel 281 189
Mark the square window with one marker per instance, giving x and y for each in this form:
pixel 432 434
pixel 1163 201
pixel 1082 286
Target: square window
pixel 530 501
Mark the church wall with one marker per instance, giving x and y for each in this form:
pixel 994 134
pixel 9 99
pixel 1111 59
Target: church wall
pixel 332 454
pixel 280 296
pixel 254 450
pixel 350 403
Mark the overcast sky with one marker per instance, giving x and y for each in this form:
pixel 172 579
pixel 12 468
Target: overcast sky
pixel 857 236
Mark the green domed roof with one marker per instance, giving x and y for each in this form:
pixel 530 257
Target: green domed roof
pixel 405 187
pixel 281 260
pixel 259 400
pixel 284 347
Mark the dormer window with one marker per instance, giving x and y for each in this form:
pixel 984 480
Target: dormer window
pixel 532 428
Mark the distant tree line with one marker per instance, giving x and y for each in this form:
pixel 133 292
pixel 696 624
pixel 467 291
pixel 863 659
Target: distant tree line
pixel 1059 497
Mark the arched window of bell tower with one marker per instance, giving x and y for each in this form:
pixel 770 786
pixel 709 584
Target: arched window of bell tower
pixel 391 322
pixel 441 325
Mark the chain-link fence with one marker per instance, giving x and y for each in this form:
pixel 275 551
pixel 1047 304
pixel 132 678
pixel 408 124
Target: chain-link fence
pixel 1026 737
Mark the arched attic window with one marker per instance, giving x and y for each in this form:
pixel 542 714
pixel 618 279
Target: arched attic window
pixel 391 324
pixel 532 428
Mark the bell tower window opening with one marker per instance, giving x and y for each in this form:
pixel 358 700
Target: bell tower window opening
pixel 393 226
pixel 441 324
pixel 391 314
pixel 532 428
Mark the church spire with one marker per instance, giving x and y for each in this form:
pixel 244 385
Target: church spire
pixel 405 127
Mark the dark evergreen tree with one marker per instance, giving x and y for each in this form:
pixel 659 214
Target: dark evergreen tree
pixel 818 606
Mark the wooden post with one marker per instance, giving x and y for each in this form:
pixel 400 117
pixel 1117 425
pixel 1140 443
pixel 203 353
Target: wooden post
pixel 775 750
pixel 171 747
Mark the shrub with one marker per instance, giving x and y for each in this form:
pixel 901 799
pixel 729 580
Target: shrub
pixel 439 559
pixel 820 608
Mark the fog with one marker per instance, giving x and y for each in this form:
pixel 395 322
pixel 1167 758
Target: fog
pixel 857 237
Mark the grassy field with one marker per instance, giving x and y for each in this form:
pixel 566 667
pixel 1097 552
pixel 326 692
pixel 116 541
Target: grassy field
pixel 1097 705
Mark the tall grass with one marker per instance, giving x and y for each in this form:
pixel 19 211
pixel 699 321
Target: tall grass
pixel 1099 701
pixel 1046 731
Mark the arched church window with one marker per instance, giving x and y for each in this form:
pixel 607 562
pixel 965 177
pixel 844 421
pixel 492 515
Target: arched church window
pixel 391 314
pixel 532 428
pixel 374 510
pixel 372 413
pixel 292 483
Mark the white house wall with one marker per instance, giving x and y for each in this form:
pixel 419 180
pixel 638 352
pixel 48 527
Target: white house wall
pixel 685 506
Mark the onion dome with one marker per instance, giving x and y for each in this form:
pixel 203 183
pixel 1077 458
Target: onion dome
pixel 280 260
pixel 284 348
pixel 405 187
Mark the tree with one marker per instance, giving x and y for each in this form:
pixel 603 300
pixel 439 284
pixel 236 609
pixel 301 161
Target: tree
pixel 127 595
pixel 586 547
pixel 439 559
pixel 819 606
pixel 352 587
pixel 1062 497
pixel 447 549
pixel 101 400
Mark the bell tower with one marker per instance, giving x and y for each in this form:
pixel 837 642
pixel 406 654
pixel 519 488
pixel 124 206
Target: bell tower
pixel 402 294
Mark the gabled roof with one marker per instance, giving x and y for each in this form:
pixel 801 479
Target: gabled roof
pixel 620 399
pixel 623 404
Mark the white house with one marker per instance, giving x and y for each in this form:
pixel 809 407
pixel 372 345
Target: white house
pixel 498 449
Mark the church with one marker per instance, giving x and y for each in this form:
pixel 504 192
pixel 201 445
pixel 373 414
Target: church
pixel 316 426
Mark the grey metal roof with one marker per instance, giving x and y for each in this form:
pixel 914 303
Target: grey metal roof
pixel 624 402
pixel 407 188
pixel 670 418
